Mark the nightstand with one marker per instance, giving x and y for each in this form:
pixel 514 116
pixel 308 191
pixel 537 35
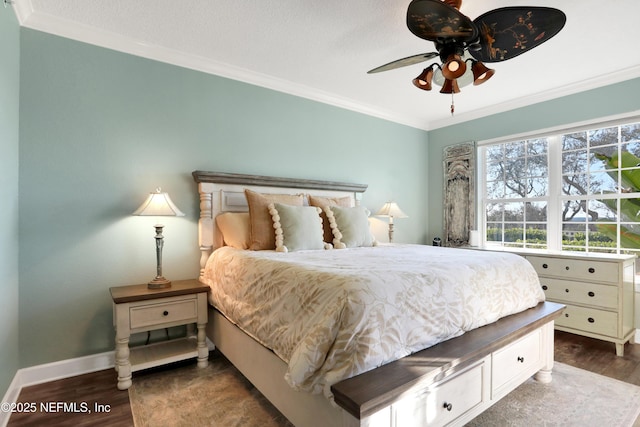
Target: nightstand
pixel 137 308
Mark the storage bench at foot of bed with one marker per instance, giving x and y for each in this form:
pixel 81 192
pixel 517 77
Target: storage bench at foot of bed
pixel 454 381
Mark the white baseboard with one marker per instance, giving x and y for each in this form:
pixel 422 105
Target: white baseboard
pixel 54 371
pixel 58 370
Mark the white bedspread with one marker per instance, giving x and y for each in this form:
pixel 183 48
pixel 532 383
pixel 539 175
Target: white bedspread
pixel 337 313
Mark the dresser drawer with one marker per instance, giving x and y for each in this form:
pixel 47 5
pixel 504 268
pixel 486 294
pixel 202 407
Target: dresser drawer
pixel 604 296
pixel 578 269
pixel 589 320
pixel 160 314
pixel 442 403
pixel 510 362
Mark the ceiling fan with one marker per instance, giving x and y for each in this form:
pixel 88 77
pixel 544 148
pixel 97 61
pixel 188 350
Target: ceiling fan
pixel 497 35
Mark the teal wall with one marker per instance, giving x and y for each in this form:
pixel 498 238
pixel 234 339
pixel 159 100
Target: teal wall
pixel 607 101
pixel 100 129
pixel 9 127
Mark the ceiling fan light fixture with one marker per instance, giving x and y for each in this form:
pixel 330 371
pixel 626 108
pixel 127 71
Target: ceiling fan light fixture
pixel 481 73
pixel 423 81
pixel 495 36
pixel 454 67
pixel 450 86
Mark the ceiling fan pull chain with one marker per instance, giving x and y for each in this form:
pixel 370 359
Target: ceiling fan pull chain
pixel 452 106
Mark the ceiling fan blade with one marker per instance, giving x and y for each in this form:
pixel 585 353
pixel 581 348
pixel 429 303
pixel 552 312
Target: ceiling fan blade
pixel 511 31
pixel 434 20
pixel 409 60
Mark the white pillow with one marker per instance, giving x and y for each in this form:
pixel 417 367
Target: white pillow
pixel 235 228
pixel 296 227
pixel 350 227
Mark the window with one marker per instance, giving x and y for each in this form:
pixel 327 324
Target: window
pixel 576 190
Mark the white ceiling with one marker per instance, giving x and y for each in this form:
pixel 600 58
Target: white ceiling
pixel 322 49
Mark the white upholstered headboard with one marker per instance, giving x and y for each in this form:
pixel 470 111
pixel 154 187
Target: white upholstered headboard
pixel 224 192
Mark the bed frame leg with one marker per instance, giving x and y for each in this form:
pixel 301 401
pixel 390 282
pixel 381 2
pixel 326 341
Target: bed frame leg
pixel 544 374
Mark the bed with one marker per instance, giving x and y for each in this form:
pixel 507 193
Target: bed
pixel 369 353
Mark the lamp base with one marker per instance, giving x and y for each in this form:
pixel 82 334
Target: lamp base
pixel 159 283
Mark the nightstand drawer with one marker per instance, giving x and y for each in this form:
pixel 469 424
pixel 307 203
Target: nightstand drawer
pixel 604 296
pixel 589 320
pixel 599 271
pixel 161 314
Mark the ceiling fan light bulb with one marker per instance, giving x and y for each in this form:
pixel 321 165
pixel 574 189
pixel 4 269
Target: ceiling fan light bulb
pixel 454 67
pixel 423 81
pixel 481 73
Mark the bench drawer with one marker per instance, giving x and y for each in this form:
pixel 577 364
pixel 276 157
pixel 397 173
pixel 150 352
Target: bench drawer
pixel 512 361
pixel 441 404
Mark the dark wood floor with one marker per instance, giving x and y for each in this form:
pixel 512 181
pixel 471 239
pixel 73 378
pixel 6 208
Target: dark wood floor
pixel 598 356
pixel 90 389
pixel 100 387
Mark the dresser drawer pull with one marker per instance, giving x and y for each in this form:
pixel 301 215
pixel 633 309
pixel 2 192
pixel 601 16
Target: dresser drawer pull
pixel 520 359
pixel 566 315
pixel 566 268
pixel 165 313
pixel 545 266
pixel 545 287
pixel 592 270
pixel 591 320
pixel 447 406
pixel 566 290
pixel 591 294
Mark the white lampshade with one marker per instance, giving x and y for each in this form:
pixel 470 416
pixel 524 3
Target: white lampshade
pixel 392 210
pixel 158 204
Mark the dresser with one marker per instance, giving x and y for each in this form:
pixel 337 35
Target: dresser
pixel 597 289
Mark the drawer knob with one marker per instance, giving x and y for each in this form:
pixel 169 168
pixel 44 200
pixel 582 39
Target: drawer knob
pixel 447 406
pixel 545 287
pixel 591 320
pixel 165 313
pixel 566 268
pixel 545 266
pixel 592 270
pixel 566 290
pixel 566 315
pixel 591 294
pixel 520 359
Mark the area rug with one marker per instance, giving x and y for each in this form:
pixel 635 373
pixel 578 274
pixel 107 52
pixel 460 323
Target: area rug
pixel 219 396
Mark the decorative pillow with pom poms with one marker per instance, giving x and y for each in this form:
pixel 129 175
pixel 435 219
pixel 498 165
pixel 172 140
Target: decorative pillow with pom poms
pixel 297 227
pixel 350 227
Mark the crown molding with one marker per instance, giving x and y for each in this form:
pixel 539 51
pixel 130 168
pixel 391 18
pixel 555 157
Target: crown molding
pixel 571 89
pixel 23 10
pixel 29 18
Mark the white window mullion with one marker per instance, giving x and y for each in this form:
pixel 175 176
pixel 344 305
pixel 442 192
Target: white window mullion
pixel 481 195
pixel 554 204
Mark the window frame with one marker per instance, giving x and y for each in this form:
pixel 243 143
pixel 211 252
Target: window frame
pixel 555 194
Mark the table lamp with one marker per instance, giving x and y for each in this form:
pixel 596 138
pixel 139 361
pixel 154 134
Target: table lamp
pixel 391 210
pixel 158 204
